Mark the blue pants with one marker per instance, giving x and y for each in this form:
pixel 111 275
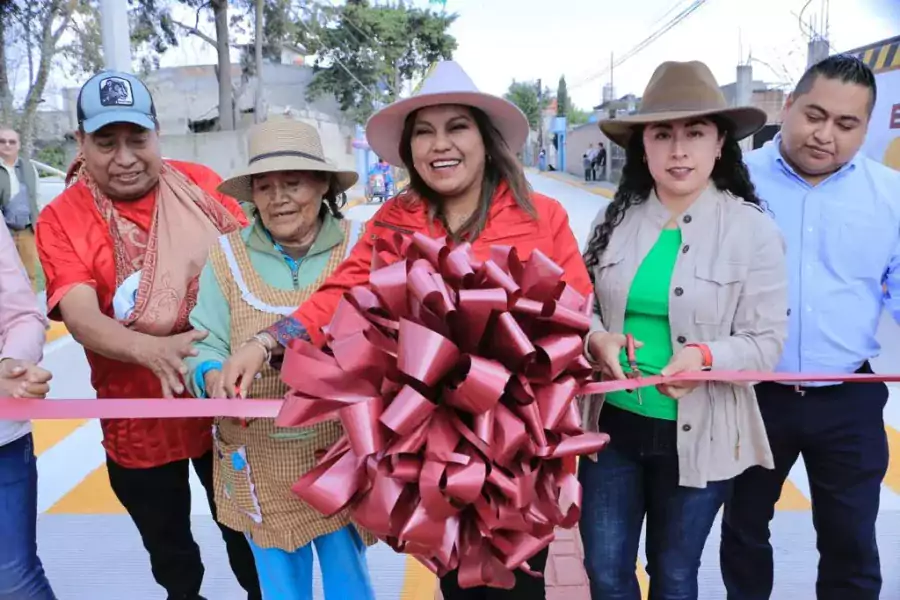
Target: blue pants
pixel 21 572
pixel 637 475
pixel 839 430
pixel 289 575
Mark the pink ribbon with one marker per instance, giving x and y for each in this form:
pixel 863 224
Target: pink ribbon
pixel 15 409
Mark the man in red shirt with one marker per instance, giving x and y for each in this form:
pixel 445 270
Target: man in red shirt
pixel 122 248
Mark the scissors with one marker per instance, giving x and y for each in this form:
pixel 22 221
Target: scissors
pixel 634 372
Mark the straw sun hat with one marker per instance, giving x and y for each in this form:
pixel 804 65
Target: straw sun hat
pixel 447 83
pixel 681 90
pixel 284 145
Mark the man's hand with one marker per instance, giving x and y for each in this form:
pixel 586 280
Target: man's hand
pixel 165 357
pixel 686 360
pixel 21 379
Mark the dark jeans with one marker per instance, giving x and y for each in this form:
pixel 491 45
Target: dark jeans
pixel 159 502
pixel 637 475
pixel 526 588
pixel 839 430
pixel 21 572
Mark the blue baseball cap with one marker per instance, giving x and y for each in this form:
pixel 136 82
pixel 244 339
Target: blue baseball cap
pixel 115 97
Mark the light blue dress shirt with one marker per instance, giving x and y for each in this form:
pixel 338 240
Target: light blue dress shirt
pixel 843 244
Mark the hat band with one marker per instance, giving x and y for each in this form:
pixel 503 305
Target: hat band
pixel 280 153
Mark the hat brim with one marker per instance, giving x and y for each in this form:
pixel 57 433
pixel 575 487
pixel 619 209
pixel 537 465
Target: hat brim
pixel 385 128
pixel 240 186
pixel 94 124
pixel 746 120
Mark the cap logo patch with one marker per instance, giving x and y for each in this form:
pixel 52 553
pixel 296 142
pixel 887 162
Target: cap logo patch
pixel 115 91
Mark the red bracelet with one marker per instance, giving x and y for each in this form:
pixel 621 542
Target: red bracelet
pixel 705 352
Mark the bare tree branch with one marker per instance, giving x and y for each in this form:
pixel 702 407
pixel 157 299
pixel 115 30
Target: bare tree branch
pixel 208 39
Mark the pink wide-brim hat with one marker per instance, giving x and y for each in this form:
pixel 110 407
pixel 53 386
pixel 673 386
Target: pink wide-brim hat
pixel 447 83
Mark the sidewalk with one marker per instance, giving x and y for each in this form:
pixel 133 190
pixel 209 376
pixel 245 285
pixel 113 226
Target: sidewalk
pixel 601 188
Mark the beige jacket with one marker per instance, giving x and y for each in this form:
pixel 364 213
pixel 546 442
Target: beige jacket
pixel 729 291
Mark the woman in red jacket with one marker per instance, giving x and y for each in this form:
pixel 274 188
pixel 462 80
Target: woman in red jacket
pixel 466 183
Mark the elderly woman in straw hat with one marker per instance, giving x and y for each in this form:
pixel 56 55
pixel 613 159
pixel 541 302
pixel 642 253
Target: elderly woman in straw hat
pixel 689 268
pixel 253 278
pixel 458 146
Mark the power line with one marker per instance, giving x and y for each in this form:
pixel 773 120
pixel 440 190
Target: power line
pixel 352 24
pixel 340 63
pixel 681 16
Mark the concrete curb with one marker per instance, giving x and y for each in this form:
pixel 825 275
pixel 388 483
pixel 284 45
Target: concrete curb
pixel 599 191
pixel 355 201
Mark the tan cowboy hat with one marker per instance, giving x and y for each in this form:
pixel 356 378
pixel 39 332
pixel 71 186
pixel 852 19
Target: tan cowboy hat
pixel 284 144
pixel 680 90
pixel 447 83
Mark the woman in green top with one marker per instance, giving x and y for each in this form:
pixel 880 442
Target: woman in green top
pixel 687 264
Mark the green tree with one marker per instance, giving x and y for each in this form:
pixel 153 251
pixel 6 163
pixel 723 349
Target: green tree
pixel 577 116
pixel 524 94
pixel 366 54
pixel 31 30
pixel 563 104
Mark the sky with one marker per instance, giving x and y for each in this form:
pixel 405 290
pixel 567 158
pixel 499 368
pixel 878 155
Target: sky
pixel 502 40
pixel 578 38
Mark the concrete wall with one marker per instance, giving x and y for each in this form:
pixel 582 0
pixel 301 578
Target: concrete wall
pixel 577 142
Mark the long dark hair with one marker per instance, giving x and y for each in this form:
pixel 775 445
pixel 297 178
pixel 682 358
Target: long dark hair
pixel 500 165
pixel 728 174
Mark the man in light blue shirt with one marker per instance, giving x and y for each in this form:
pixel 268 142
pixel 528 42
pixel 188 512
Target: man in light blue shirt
pixel 840 215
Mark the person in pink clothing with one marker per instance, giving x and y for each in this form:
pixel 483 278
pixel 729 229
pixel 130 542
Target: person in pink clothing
pixel 22 327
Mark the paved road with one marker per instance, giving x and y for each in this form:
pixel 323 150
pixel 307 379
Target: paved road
pixel 92 551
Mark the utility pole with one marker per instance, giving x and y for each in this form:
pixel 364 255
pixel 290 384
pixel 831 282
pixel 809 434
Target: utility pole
pixel 540 95
pixel 259 104
pixel 115 35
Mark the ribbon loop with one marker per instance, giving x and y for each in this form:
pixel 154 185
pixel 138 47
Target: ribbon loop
pixel 455 381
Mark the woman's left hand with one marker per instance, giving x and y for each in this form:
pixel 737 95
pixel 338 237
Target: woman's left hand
pixel 685 360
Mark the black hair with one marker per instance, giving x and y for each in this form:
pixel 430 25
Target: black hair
pixel 729 174
pixel 842 67
pixel 500 165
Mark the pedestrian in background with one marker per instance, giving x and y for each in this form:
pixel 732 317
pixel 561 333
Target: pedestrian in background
pixel 19 200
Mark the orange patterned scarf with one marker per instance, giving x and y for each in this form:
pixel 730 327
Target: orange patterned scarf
pixel 186 223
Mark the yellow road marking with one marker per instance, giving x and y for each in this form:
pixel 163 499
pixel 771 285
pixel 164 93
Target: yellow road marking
pixel 419 583
pixel 56 331
pixel 792 498
pixel 49 433
pixel 892 478
pixel 92 496
pixel 643 580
